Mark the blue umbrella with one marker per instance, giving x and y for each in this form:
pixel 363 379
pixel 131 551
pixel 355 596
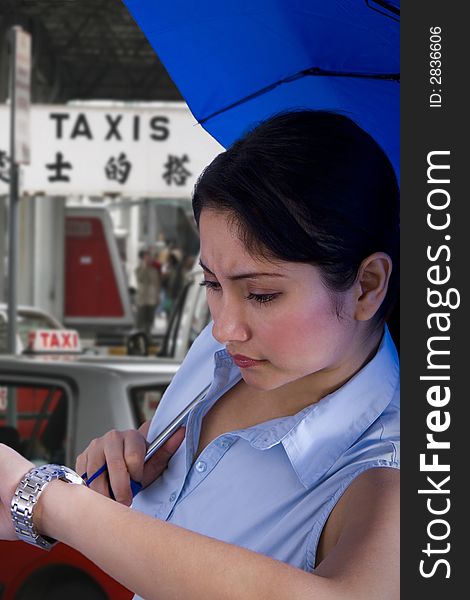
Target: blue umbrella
pixel 237 63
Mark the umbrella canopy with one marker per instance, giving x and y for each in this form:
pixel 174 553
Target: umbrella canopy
pixel 237 63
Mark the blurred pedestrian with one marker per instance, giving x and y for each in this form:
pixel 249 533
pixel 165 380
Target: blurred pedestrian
pixel 173 281
pixel 148 292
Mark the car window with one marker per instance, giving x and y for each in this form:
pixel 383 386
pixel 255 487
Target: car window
pixel 29 322
pixel 41 431
pixel 24 324
pixel 145 400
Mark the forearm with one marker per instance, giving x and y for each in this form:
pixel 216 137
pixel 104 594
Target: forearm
pixel 160 560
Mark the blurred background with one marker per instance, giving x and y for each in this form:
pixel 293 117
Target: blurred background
pixel 98 248
pixel 106 237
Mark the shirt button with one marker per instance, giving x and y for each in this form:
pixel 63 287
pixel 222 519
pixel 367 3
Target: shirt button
pixel 223 444
pixel 173 497
pixel 201 466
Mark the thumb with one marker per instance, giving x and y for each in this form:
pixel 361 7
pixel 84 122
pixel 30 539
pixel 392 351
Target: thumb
pixel 159 461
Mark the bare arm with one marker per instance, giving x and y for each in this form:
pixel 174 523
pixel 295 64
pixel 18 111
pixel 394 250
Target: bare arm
pixel 160 560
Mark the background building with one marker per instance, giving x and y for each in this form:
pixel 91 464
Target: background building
pixel 103 107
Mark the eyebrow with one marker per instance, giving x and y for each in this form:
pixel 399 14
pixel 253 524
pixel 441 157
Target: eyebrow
pixel 252 275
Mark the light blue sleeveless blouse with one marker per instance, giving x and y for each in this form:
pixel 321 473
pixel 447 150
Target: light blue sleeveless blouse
pixel 271 487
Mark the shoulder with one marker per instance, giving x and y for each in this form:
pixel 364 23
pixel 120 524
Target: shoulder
pixel 361 537
pixel 372 497
pixel 362 481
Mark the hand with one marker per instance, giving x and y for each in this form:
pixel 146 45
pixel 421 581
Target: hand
pixel 124 452
pixel 12 468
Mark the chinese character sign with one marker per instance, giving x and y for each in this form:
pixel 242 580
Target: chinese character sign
pixel 58 168
pixel 175 170
pixel 156 151
pixel 118 168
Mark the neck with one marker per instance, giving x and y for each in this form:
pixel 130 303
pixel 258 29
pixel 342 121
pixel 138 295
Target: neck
pixel 298 394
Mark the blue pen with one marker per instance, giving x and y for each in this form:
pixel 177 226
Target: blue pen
pixel 155 444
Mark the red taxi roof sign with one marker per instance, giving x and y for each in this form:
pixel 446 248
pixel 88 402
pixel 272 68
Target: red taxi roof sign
pixel 54 341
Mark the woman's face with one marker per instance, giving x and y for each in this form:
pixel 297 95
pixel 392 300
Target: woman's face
pixel 277 319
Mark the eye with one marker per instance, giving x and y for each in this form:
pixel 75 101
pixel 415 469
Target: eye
pixel 262 298
pixel 210 285
pixel 259 298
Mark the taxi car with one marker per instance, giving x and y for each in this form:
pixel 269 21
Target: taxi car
pixel 29 318
pixel 72 399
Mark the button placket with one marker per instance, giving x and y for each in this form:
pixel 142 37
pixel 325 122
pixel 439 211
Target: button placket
pixel 196 473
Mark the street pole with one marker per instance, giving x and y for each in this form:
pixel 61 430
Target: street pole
pixel 20 88
pixel 12 258
pixel 13 207
pixel 12 231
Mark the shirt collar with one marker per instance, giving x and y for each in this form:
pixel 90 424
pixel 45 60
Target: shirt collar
pixel 334 423
pixel 317 436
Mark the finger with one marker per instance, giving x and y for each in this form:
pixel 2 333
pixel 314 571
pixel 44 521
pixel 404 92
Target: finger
pixel 135 447
pixel 80 464
pixel 174 442
pixel 90 461
pixel 144 428
pixel 117 469
pixel 159 461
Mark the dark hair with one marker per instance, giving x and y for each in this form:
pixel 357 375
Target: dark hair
pixel 310 187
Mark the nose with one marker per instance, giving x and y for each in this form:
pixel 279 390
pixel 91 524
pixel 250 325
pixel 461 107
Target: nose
pixel 230 324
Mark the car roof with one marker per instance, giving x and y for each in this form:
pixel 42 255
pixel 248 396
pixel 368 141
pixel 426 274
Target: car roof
pixel 25 310
pixel 132 368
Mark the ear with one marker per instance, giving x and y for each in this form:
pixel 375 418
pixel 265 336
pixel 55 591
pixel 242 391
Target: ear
pixel 372 284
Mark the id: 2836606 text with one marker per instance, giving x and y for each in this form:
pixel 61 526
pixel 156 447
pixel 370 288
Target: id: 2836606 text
pixel 435 67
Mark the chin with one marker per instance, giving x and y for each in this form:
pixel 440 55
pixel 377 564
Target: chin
pixel 258 382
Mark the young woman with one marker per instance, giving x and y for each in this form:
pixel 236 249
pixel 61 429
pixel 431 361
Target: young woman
pixel 286 482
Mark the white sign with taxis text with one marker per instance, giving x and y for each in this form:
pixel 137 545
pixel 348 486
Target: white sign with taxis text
pixel 155 150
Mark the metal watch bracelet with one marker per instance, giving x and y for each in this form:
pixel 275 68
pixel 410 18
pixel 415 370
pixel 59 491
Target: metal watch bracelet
pixel 26 496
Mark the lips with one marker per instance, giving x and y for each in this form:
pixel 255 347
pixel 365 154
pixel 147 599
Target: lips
pixel 245 362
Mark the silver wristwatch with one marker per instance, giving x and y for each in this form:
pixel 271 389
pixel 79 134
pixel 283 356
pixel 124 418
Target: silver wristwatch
pixel 26 496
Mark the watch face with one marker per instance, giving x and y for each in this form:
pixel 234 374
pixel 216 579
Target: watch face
pixel 72 477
